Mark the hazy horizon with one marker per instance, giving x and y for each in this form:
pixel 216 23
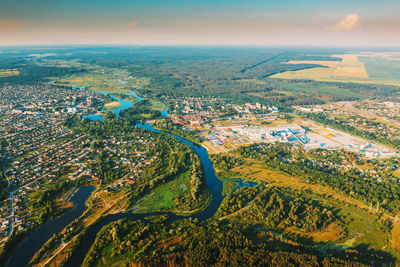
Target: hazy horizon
pixel 121 45
pixel 215 23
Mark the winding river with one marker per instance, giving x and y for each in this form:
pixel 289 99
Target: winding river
pixel 22 255
pixel 27 249
pixel 124 103
pixel 215 186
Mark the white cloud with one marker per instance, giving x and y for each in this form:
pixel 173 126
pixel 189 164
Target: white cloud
pixel 351 22
pixel 133 24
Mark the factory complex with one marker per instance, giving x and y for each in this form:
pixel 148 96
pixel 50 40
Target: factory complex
pixel 309 135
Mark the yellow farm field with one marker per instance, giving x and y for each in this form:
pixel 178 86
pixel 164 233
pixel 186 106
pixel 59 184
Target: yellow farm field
pixel 315 73
pixel 349 69
pixel 8 72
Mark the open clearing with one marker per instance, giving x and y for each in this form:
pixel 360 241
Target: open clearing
pixel 162 197
pixel 112 105
pixel 157 105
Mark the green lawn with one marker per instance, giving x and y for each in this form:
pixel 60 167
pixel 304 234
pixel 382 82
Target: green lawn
pixel 363 228
pixel 157 105
pixel 228 184
pixel 162 197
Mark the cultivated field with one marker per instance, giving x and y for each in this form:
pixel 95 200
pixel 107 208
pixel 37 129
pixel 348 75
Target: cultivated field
pixel 8 72
pixel 372 68
pixel 350 67
pixel 382 67
pixel 319 72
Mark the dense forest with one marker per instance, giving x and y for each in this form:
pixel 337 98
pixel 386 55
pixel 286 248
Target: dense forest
pixel 167 126
pixel 140 111
pixel 215 243
pixel 238 74
pixel 279 208
pixel 225 162
pixel 33 74
pixel 241 198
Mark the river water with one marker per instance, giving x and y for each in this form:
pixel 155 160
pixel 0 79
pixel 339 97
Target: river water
pixel 36 239
pixel 25 251
pixel 124 104
pixel 213 183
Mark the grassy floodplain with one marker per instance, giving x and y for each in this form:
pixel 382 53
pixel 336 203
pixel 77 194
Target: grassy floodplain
pixel 110 80
pixel 112 105
pixel 163 197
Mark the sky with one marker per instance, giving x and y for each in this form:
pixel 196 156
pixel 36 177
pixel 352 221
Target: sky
pixel 201 22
